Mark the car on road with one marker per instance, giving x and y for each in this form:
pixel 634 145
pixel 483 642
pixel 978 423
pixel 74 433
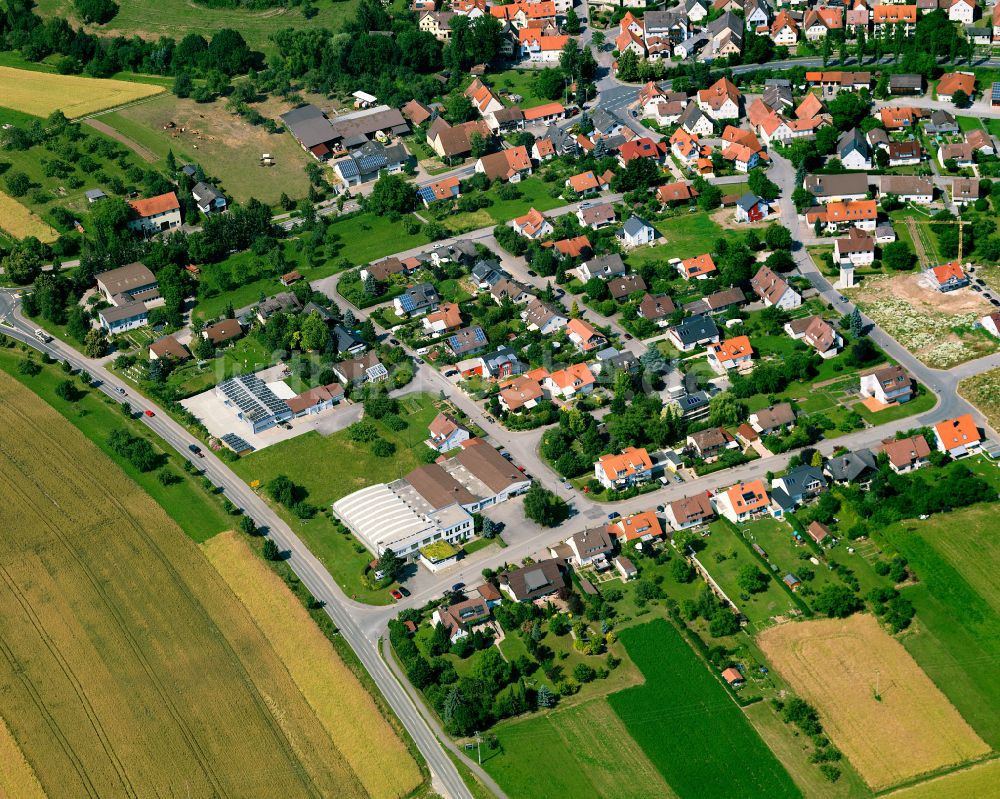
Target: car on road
pixel 394 342
pixel 613 515
pixel 450 372
pixel 628 336
pixel 532 273
pixel 490 419
pixel 149 413
pixel 404 591
pixel 396 595
pixel 419 361
pixel 196 450
pixel 120 390
pixel 458 587
pixel 42 336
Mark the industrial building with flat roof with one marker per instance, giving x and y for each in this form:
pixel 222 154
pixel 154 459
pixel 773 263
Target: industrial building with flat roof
pixel 432 503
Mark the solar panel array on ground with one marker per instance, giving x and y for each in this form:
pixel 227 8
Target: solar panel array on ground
pixel 236 443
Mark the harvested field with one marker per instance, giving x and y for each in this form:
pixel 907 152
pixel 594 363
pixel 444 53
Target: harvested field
pixel 979 781
pixel 346 710
pixel 17 780
pixel 129 667
pixel 908 728
pixel 41 93
pixel 21 222
pixel 935 327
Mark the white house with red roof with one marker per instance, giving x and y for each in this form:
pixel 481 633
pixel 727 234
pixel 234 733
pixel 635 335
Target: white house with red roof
pixel 947 277
pixel 958 437
pixel 632 467
pixel 156 214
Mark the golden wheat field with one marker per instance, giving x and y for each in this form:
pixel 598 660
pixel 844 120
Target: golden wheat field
pixel 41 93
pixel 981 781
pixel 17 780
pixel 346 710
pixel 127 666
pixel 21 222
pixel 876 704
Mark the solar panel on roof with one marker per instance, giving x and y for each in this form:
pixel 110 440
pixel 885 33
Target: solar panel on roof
pixel 426 193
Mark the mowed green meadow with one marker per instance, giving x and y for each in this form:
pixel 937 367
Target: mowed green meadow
pixel 178 18
pixel 956 634
pixel 689 726
pixel 586 750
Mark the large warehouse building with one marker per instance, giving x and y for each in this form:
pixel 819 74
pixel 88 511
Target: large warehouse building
pixel 432 503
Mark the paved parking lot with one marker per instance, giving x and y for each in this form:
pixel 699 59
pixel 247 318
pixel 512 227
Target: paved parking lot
pixel 220 419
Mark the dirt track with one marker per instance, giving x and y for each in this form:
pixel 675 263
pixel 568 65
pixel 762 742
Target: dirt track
pixel 132 144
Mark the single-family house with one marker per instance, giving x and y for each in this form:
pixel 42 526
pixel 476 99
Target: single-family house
pixel 958 437
pixel 656 308
pixel 583 335
pixel 774 290
pixel 155 214
pixel 467 341
pixel 952 82
pixel 751 208
pixel 416 300
pixel 733 353
pixel 695 331
pixel 721 100
pixel 857 250
pixel 597 216
pixel 906 454
pixel 544 318
pixel 688 512
pixel 643 526
pixel 446 433
pixel 636 232
pixel 569 382
pixel 446 318
pixel 853 150
pixel 532 582
pixel 461 617
pixel 947 277
pixel 773 420
pixel 605 267
pixel 711 443
pixel 743 501
pixel 908 188
pixel 851 467
pixel 888 385
pixel 208 198
pixel 622 287
pixel 801 483
pixel 701 267
pixel 533 225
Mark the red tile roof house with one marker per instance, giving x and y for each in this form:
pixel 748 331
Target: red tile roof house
pixel 948 277
pixel 958 437
pixel 743 501
pixel 156 214
pixel 584 337
pixel 510 165
pixel 952 82
pixel 632 467
pixel 906 454
pixel 446 434
pixel 533 225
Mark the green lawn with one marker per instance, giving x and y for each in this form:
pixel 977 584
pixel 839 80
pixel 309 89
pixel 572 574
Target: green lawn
pixel 519 81
pixel 330 467
pixel 534 194
pixel 686 722
pixel 684 236
pixel 923 402
pixel 177 18
pixel 956 638
pixel 198 513
pixel 578 751
pixel 758 608
pixel 966 124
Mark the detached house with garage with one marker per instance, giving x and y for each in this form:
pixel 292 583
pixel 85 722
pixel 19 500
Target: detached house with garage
pixel 695 331
pixel 733 353
pixel 532 225
pixel 958 437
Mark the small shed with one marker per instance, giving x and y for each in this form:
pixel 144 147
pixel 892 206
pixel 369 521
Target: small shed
pixel 818 532
pixel 733 677
pixel 793 582
pixel 291 277
pixel 626 568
